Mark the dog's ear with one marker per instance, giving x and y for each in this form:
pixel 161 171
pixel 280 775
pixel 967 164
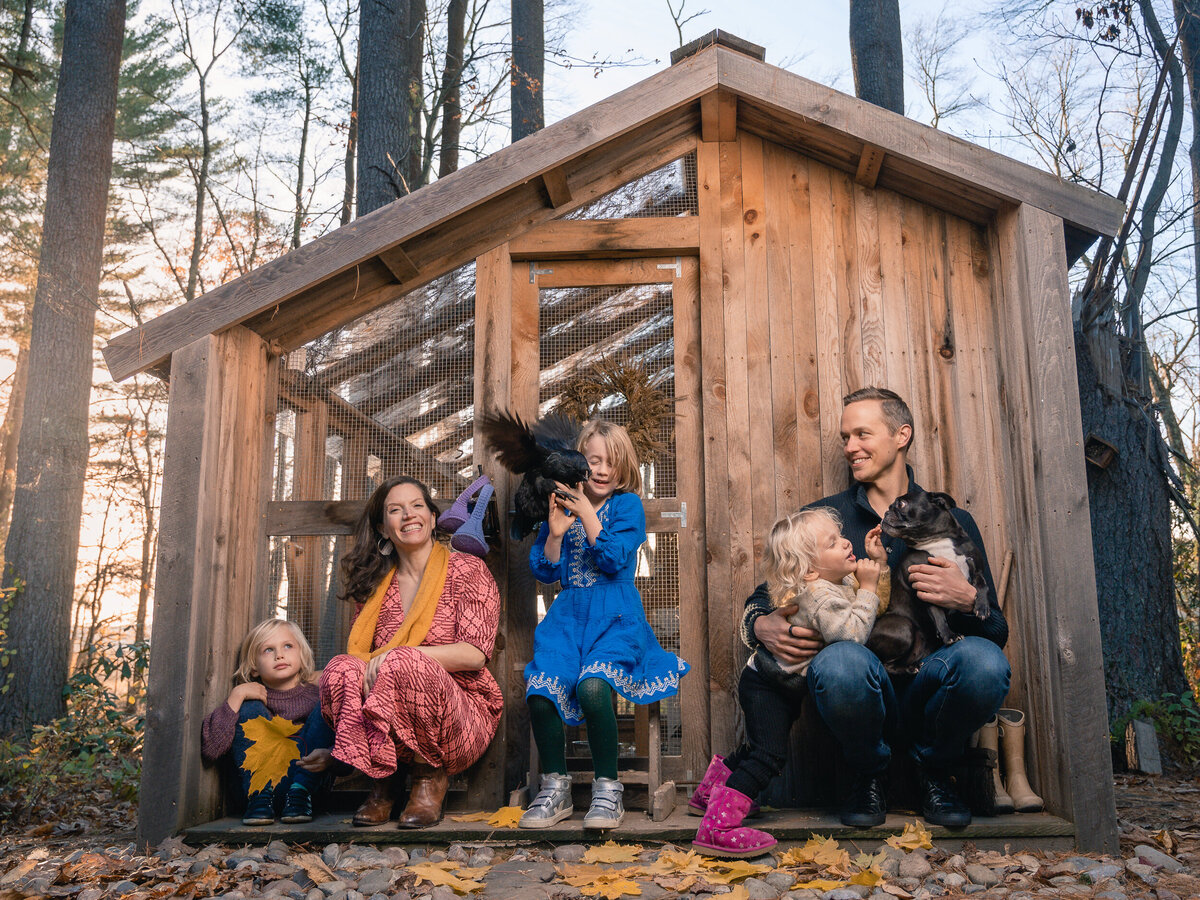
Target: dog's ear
pixel 945 501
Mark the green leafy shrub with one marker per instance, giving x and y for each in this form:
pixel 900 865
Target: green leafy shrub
pixel 1176 719
pixel 90 759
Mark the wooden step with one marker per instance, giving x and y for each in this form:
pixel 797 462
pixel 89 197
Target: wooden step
pixel 791 826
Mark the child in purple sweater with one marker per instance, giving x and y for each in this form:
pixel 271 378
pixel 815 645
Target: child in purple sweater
pixel 272 680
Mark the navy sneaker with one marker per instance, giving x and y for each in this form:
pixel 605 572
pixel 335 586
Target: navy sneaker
pixel 298 806
pixel 260 808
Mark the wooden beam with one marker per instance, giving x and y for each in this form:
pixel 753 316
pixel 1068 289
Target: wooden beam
pixel 1064 674
pixel 430 208
pixel 399 263
pixel 557 187
pixel 868 166
pixel 205 586
pixel 718 116
pixel 939 155
pixel 599 238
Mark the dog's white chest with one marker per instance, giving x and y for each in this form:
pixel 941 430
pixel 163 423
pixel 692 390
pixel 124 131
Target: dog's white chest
pixel 943 548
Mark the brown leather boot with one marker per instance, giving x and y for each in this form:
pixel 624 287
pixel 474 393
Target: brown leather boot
pixel 377 808
pixel 424 806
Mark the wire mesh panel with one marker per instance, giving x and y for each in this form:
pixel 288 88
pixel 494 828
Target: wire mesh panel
pixel 609 351
pixel 390 393
pixel 667 191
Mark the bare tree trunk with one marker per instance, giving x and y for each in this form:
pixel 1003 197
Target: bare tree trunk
pixel 351 151
pixel 383 113
pixel 1187 19
pixel 456 23
pixel 877 53
pixel 528 67
pixel 201 176
pixel 415 167
pixel 9 432
pixel 298 212
pixel 43 542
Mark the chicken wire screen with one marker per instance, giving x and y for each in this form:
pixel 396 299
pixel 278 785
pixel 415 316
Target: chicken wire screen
pixel 390 393
pixel 609 351
pixel 667 191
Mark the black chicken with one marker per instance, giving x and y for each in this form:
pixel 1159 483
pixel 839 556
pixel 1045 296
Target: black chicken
pixel 544 453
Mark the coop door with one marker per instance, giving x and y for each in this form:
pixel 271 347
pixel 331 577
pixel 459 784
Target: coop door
pixel 619 338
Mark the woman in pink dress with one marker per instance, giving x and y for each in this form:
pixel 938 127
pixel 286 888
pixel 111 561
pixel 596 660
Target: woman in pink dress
pixel 412 687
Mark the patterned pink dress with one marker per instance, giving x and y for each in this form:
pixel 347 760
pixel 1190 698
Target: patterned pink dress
pixel 415 706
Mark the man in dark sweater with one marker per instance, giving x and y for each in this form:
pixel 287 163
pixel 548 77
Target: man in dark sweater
pixel 958 688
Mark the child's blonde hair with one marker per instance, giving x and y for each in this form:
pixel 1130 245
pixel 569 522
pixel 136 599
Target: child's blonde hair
pixel 254 640
pixel 622 458
pixel 791 551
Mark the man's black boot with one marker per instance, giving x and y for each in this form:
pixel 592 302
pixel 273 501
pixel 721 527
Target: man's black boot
pixel 866 807
pixel 939 802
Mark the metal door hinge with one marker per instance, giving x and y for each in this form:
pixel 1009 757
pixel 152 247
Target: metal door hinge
pixel 680 514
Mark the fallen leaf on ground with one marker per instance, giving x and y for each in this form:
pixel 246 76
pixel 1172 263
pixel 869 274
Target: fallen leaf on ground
pixel 612 852
pixel 820 884
pixel 506 817
pixel 443 874
pixel 1164 840
pixel 818 850
pixel 727 871
pixel 678 883
pixel 737 892
pixel 612 890
pixel 895 890
pixel 473 817
pixel 272 750
pixel 671 862
pixel 913 837
pixel 314 867
pixel 869 877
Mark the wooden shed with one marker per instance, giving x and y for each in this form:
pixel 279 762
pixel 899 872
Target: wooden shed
pixel 759 245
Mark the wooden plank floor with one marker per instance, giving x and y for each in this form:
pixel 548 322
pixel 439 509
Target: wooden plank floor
pixel 1020 831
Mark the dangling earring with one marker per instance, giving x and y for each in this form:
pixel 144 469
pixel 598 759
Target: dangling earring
pixel 384 546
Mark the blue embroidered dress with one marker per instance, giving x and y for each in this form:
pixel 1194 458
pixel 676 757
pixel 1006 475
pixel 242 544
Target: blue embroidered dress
pixel 596 627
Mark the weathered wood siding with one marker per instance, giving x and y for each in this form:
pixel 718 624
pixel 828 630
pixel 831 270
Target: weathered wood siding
pixel 814 286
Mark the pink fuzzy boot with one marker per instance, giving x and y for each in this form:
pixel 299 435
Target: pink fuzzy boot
pixel 721 833
pixel 716 774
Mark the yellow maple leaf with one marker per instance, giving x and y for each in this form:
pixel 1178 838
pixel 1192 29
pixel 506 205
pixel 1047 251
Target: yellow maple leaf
pixel 678 883
pixel 870 877
pixel 737 892
pixel 727 871
pixel 867 860
pixel 1164 839
pixel 819 850
pixel 443 873
pixel 671 862
pixel 820 884
pixel 505 817
pixel 913 837
pixel 579 874
pixel 612 889
pixel 271 751
pixel 612 852
pixel 473 817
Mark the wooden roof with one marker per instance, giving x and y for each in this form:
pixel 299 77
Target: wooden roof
pixel 389 252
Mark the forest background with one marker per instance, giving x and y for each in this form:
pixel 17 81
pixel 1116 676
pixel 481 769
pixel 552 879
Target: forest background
pixel 235 142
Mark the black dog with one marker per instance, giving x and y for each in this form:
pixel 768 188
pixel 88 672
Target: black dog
pixel 544 453
pixel 911 629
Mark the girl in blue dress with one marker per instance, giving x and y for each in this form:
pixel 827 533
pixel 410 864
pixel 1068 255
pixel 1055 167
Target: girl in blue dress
pixel 595 637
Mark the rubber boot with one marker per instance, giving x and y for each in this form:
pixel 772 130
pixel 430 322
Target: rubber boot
pixel 1012 742
pixel 458 513
pixel 989 739
pixel 721 832
pixel 716 773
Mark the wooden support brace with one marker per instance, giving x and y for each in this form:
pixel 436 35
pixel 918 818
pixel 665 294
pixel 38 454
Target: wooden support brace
pixel 869 164
pixel 718 116
pixel 399 263
pixel 557 187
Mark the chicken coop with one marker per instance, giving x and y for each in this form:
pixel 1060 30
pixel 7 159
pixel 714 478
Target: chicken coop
pixel 737 242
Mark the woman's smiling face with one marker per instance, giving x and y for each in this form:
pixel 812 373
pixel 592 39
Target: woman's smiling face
pixel 407 519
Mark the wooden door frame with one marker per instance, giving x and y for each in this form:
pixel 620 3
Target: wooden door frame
pixel 682 272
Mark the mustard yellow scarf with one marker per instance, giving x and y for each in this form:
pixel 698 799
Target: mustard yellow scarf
pixel 420 615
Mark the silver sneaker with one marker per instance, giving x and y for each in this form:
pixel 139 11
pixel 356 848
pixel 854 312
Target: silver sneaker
pixel 551 805
pixel 607 810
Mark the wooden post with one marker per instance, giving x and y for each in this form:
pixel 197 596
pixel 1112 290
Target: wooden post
pixel 1058 623
pixel 502 768
pixel 208 550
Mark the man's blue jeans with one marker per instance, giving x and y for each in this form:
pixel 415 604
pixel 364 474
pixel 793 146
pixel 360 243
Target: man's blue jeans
pixel 957 690
pixel 313 734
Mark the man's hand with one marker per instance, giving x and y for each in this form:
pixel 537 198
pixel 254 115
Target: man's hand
pixel 942 583
pixel 788 643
